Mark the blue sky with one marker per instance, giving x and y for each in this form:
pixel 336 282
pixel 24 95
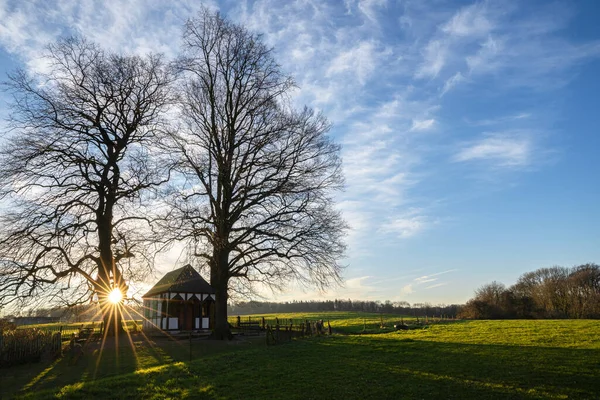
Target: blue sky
pixel 469 130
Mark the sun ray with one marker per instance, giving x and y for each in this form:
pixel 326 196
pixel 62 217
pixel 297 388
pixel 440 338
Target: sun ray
pixel 114 308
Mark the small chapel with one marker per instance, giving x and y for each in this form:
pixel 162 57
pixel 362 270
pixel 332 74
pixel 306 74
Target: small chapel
pixel 181 301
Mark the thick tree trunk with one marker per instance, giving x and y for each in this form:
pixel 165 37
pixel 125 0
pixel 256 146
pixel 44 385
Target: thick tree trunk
pixel 221 331
pixel 219 280
pixel 112 314
pixel 112 319
pixel 109 277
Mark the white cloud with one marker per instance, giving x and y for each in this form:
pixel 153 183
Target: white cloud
pixel 492 41
pixel 424 279
pixel 369 8
pixel 434 59
pixel 452 82
pixel 345 65
pixel 407 289
pixel 422 125
pixel 469 21
pixel 377 85
pixel 405 227
pixel 360 60
pixel 436 285
pixel 503 149
pixel 467 24
pixel 408 223
pixel 501 119
pixel 134 26
pixel 356 283
pixel 436 274
pixel 412 287
pixel 484 59
pixel 360 221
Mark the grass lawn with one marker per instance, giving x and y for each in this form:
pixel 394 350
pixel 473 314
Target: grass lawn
pixel 462 360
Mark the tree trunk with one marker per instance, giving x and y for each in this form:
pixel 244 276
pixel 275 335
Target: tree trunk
pixel 112 315
pixel 219 280
pixel 112 319
pixel 221 331
pixel 109 277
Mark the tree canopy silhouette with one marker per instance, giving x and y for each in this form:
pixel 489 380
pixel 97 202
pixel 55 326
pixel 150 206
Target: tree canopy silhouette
pixel 257 204
pixel 555 292
pixel 77 167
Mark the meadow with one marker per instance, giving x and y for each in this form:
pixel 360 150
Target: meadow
pixel 518 359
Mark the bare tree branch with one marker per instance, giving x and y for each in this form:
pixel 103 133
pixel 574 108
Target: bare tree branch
pixel 257 176
pixel 79 165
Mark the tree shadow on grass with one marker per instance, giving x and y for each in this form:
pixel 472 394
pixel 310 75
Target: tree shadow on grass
pixel 94 362
pixel 369 369
pixel 89 365
pixel 456 370
pixel 359 367
pixel 91 371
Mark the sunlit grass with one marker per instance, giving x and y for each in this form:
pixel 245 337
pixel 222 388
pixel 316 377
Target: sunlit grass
pixel 341 322
pixel 463 360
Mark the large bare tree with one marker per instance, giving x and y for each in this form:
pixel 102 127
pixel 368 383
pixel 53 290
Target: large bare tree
pixel 78 166
pixel 255 194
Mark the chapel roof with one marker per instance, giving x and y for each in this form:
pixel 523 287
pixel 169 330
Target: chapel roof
pixel 183 280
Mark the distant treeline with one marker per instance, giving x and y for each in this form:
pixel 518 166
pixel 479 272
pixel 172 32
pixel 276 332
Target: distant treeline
pixel 388 307
pixel 556 292
pixel 78 313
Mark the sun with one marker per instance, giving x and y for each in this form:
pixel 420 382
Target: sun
pixel 115 296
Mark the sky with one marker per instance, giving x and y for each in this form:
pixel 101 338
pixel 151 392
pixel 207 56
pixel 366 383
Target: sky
pixel 469 129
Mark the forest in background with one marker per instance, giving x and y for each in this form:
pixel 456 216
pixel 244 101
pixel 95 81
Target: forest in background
pixel 546 293
pixel 556 292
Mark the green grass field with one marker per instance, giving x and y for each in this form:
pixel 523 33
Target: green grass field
pixel 461 360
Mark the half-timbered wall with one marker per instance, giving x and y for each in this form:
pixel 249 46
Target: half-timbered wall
pixel 164 311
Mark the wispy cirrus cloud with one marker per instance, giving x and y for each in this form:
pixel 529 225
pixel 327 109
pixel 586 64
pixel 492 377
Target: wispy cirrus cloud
pixel 508 149
pixel 339 68
pixel 133 26
pixel 502 119
pixel 378 91
pixel 376 88
pixel 416 90
pixel 486 39
pixel 418 283
pixel 408 224
pixel 422 124
pixel 436 285
pixel 469 21
pixel 358 62
pixel 451 82
pixel 423 278
pixel 434 59
pixel 368 8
